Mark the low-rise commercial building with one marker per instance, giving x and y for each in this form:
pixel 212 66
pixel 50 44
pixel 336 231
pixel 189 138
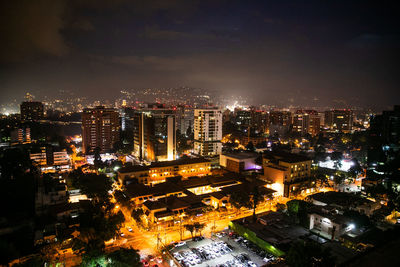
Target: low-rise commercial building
pixel 239 162
pixel 329 223
pixel 287 172
pixel 158 172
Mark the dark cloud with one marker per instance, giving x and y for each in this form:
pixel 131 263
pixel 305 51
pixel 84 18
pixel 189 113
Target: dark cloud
pixel 30 28
pixel 272 51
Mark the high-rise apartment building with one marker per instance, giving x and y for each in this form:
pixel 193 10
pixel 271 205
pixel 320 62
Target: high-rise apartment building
pixel 31 111
pixel 283 118
pixel 207 132
pixel 100 128
pixel 339 120
pixel 306 121
pixel 154 134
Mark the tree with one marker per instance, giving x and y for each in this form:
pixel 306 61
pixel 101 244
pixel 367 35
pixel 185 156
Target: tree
pixel 92 252
pixel 256 198
pixel 339 178
pixel 93 185
pixel 250 146
pixel 97 225
pixel 304 254
pixel 97 158
pixel 121 198
pixel 190 228
pixel 35 261
pixel 124 257
pixel 198 227
pixel 240 199
pixel 137 216
pixel 297 209
pixel 280 207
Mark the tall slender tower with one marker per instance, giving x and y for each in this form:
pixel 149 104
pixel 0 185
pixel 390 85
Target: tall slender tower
pixel 207 132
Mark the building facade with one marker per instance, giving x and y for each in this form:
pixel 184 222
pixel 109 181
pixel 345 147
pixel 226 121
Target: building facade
pixel 207 132
pixel 306 122
pixel 100 129
pixel 155 135
pixel 31 111
pixel 158 172
pixel 339 120
pixel 289 173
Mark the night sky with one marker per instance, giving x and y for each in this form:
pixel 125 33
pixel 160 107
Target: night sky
pixel 337 53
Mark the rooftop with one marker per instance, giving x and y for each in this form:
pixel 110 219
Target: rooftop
pixel 242 155
pixel 338 198
pixel 285 156
pixel 134 168
pixel 181 161
pixel 275 228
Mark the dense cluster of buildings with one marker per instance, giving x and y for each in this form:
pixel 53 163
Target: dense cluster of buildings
pixel 172 187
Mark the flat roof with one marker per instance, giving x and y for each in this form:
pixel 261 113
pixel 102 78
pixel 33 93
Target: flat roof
pixel 181 161
pixel 285 156
pixel 241 155
pixel 134 168
pixel 278 229
pixel 338 198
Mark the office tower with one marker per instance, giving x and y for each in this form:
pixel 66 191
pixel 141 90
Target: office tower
pixel 259 120
pixel 283 118
pixel 31 111
pixel 339 120
pixel 127 118
pixel 187 120
pixel 243 117
pixel 100 128
pixel 279 122
pixel 384 140
pixel 154 134
pixel 207 132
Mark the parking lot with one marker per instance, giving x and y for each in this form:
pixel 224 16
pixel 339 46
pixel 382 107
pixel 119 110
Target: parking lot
pixel 224 250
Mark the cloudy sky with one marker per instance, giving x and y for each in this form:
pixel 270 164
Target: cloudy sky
pixel 301 52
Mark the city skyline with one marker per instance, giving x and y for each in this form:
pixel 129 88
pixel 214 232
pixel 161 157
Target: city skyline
pixel 328 54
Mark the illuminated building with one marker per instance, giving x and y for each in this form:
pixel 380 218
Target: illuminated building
pixel 100 128
pixel 254 119
pixel 239 162
pixel 158 172
pixel 243 117
pixel 127 118
pixel 259 120
pixel 328 223
pixel 339 120
pixel 287 172
pixel 154 135
pixel 50 161
pixel 21 135
pixel 279 122
pixel 280 118
pixel 32 111
pixel 385 136
pixel 306 121
pixel 207 132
